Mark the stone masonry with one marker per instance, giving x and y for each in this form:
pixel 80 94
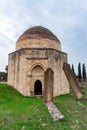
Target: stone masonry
pixel 36 51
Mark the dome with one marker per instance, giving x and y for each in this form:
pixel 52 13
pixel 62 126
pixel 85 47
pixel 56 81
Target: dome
pixel 38 37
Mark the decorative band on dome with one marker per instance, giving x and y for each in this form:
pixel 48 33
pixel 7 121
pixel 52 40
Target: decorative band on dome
pixel 38 32
pixel 32 36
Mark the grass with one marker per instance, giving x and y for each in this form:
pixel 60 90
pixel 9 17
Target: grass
pixel 25 113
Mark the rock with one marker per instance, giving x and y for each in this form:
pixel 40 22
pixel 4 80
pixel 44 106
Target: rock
pixel 55 113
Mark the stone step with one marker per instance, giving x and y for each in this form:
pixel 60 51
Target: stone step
pixel 55 113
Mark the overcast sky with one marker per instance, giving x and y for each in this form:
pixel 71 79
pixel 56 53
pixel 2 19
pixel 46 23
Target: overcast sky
pixel 67 19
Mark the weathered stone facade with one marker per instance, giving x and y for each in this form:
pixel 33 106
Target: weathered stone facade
pixel 33 56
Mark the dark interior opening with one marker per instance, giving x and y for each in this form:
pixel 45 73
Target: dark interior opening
pixel 38 88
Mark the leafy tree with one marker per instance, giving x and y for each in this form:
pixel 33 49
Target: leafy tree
pixel 3 76
pixel 6 73
pixel 79 72
pixel 84 72
pixel 6 68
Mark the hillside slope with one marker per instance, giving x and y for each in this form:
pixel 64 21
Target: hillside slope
pixel 24 113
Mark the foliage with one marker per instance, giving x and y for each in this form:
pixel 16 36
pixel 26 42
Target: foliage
pixel 6 68
pixel 84 72
pixel 73 70
pixel 79 72
pixel 28 113
pixel 3 76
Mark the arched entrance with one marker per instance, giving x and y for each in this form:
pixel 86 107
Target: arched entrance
pixel 37 81
pixel 38 88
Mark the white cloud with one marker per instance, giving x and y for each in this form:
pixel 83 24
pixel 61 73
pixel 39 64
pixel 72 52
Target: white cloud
pixel 67 19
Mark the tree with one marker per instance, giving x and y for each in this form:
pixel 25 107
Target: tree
pixel 6 73
pixel 73 69
pixel 84 72
pixel 79 72
pixel 3 76
pixel 6 68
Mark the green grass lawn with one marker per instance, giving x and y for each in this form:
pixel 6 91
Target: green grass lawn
pixel 24 113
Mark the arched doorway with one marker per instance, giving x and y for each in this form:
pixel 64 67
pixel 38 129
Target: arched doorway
pixel 37 81
pixel 38 88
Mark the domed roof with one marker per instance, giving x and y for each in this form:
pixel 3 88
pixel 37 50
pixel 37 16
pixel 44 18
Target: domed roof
pixel 38 29
pixel 38 32
pixel 38 37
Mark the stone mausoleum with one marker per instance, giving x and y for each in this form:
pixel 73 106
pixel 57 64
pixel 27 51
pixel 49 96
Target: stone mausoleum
pixel 37 49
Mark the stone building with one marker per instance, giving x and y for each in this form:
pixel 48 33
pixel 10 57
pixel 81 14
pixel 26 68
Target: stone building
pixel 37 49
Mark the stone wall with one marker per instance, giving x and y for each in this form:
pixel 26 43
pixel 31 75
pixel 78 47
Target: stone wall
pixel 23 62
pixel 40 42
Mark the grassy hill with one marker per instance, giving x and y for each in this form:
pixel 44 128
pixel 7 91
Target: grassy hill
pixel 24 113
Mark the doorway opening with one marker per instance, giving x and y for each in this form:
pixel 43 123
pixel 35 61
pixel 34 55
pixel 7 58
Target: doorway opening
pixel 38 88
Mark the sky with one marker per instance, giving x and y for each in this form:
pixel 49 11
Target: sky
pixel 67 19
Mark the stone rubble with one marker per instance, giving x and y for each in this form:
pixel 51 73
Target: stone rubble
pixel 55 113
